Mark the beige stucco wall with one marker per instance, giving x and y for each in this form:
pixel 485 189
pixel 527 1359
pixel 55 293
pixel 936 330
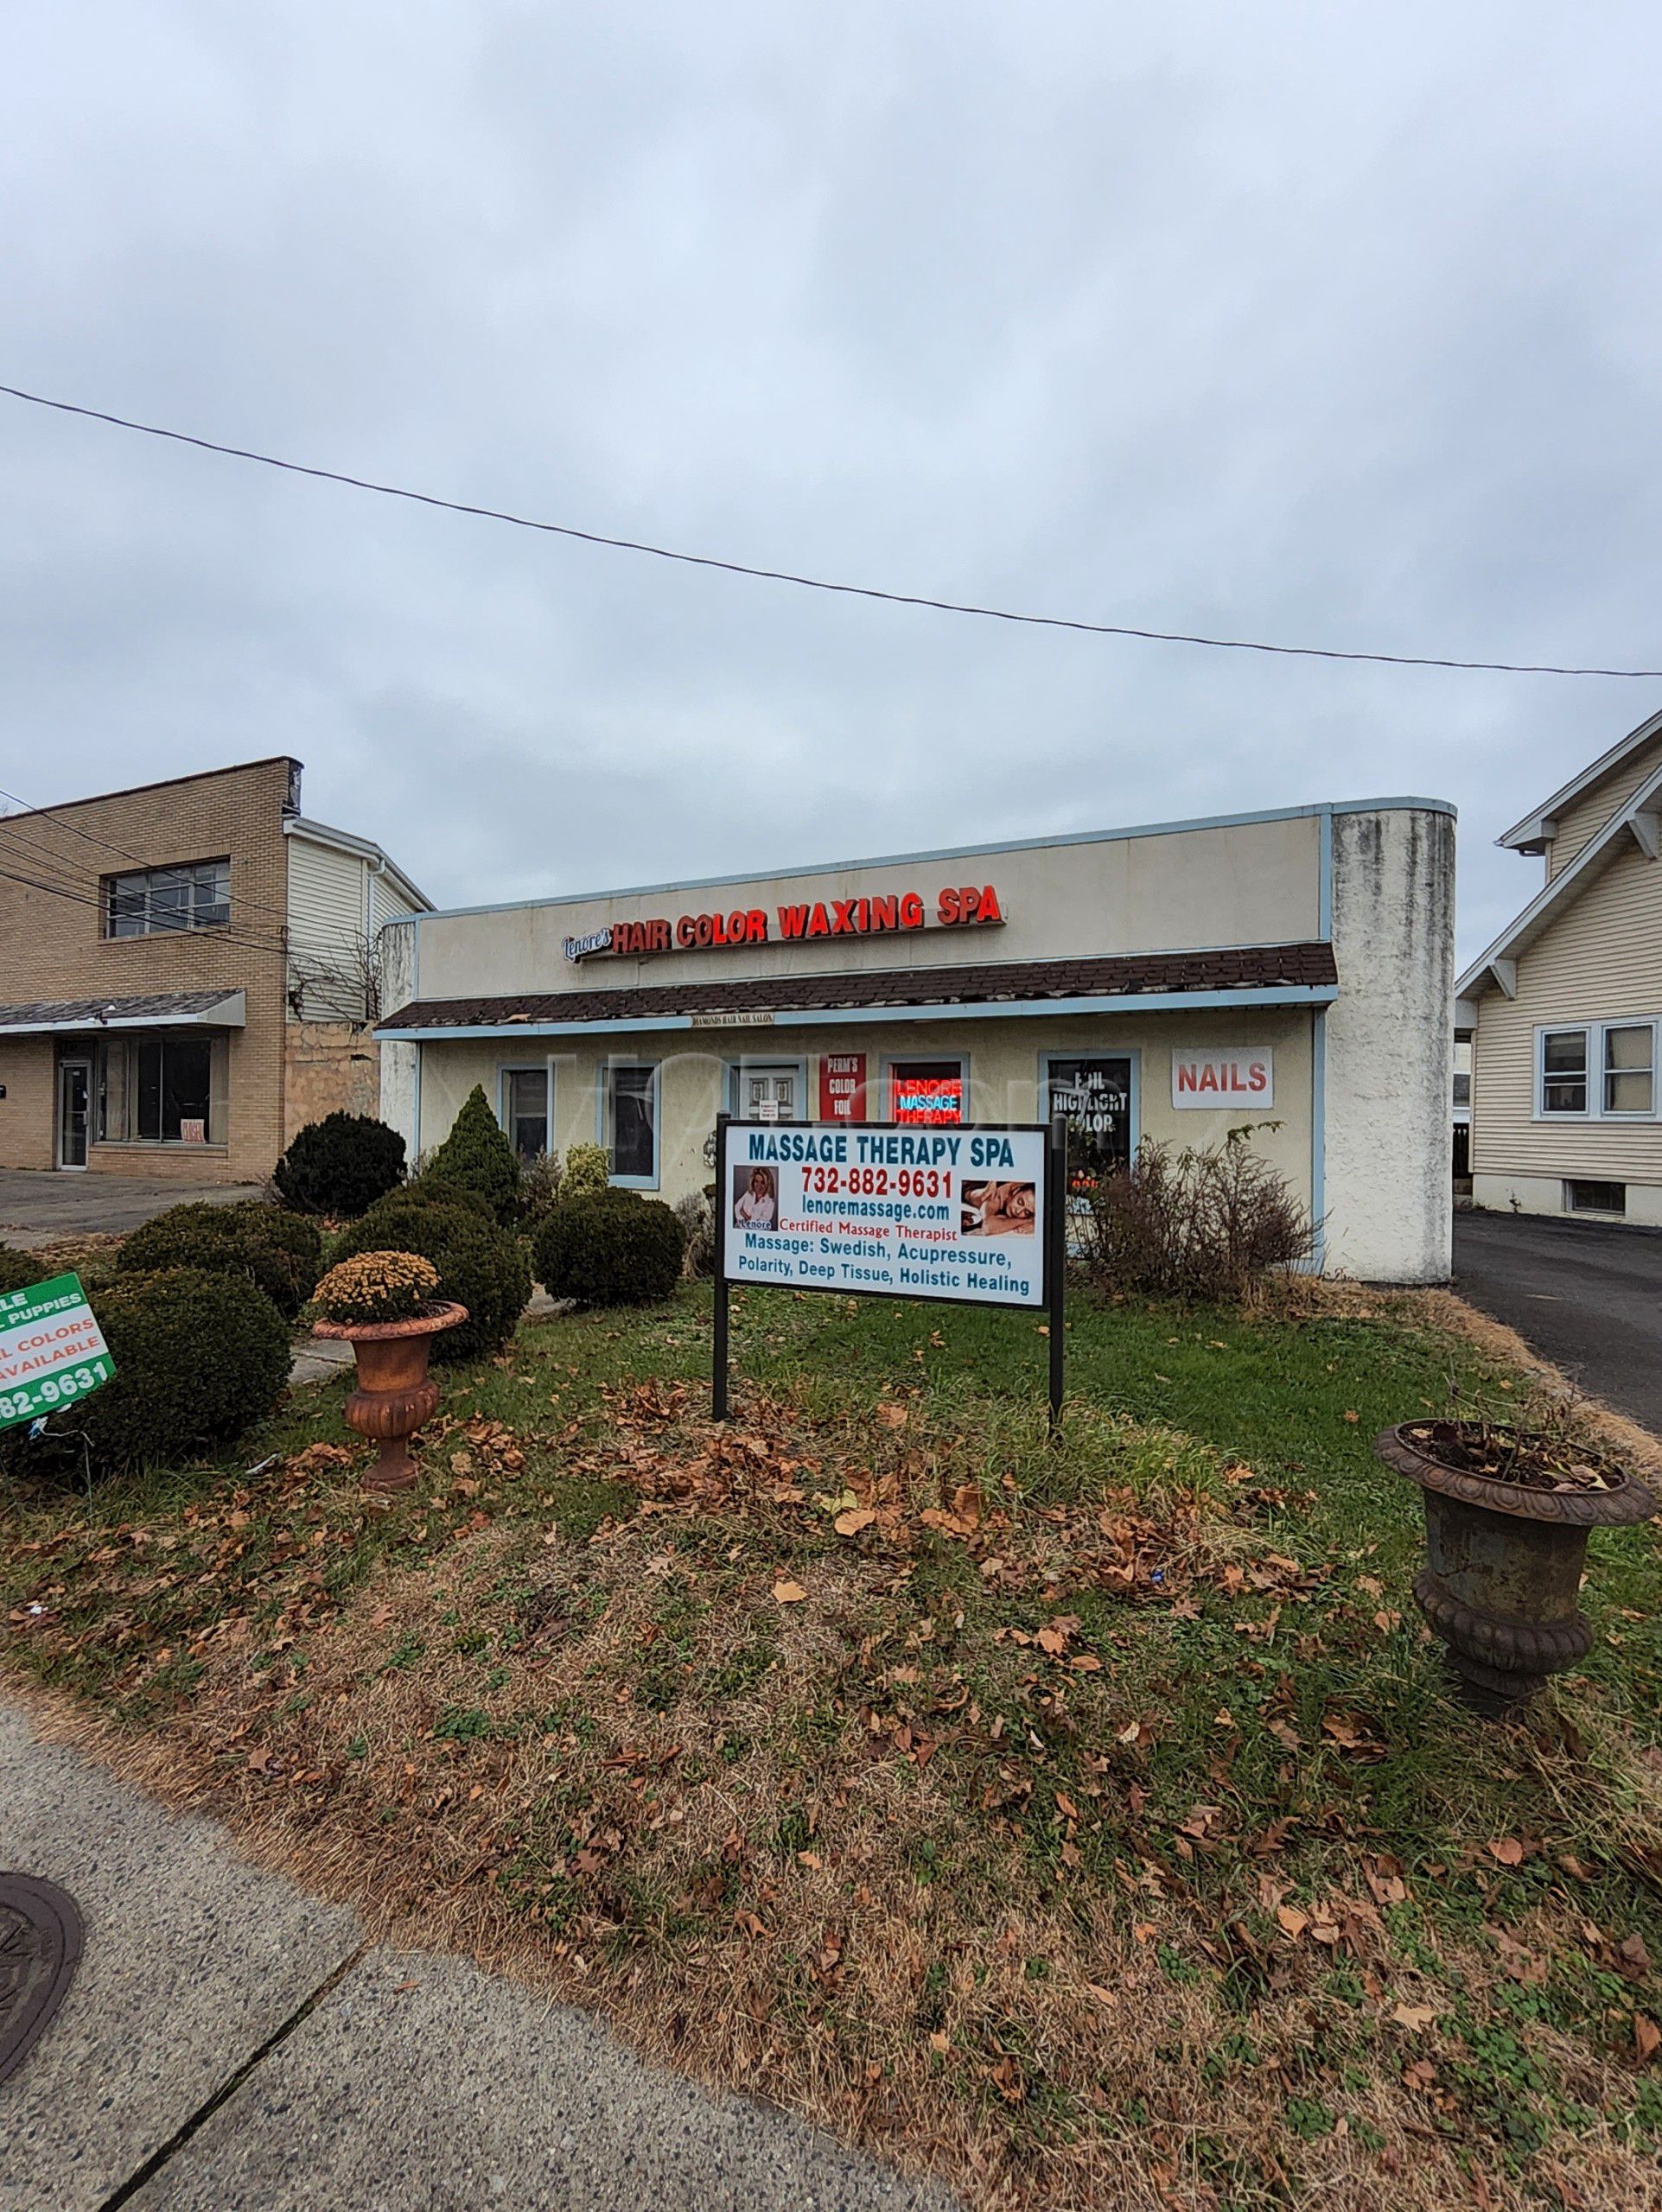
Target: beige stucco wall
pixel 1242 883
pixel 1003 1072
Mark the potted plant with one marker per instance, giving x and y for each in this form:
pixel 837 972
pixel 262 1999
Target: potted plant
pixel 384 1304
pixel 1507 1513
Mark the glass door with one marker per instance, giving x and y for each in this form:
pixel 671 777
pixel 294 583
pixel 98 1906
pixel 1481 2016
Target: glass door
pixel 74 1097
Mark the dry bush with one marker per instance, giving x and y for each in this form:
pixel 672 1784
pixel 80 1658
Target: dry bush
pixel 1196 1224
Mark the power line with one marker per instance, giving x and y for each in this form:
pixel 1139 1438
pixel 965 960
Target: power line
pixel 87 899
pixel 814 583
pixel 50 820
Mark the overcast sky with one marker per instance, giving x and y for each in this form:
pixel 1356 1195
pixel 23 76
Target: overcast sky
pixel 1315 322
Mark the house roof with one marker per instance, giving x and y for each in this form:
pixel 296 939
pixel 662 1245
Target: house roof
pixel 1638 820
pixel 344 841
pixel 1532 833
pixel 157 1010
pixel 1292 971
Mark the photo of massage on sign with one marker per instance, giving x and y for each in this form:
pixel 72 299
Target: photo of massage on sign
pixel 998 1210
pixel 755 1197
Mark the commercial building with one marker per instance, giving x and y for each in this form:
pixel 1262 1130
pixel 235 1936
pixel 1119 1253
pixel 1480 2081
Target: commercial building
pixel 1289 971
pixel 1563 1009
pixel 188 973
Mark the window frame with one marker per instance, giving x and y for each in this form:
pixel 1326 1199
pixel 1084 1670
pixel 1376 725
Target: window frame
pixel 738 1068
pixel 1052 1054
pixel 128 1047
pixel 108 894
pixel 505 1073
pixel 890 1061
pixel 605 1091
pixel 1593 1031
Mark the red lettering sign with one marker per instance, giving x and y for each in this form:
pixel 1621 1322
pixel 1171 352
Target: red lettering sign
pixel 957 907
pixel 842 1086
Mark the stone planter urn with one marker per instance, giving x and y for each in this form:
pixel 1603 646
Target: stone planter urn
pixel 1507 1551
pixel 395 1394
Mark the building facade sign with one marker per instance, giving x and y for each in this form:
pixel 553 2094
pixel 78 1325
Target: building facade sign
pixel 957 907
pixel 1093 1093
pixel 842 1086
pixel 1236 1076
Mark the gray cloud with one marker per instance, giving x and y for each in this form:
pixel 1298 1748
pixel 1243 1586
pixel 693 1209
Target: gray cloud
pixel 1330 326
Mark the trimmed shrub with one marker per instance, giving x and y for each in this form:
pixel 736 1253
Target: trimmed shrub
pixel 1194 1224
pixel 341 1165
pixel 428 1191
pixel 477 1156
pixel 18 1269
pixel 587 1171
pixel 246 1240
pixel 377 1287
pixel 199 1357
pixel 480 1266
pixel 615 1249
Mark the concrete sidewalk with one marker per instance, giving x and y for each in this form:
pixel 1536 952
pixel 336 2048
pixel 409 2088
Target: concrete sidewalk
pixel 230 2045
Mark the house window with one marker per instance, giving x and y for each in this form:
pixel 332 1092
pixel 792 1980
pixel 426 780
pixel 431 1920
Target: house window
pixel 1630 1068
pixel 630 1127
pixel 925 1090
pixel 1095 1093
pixel 1595 1198
pixel 156 1091
pixel 524 1109
pixel 1563 1072
pixel 196 896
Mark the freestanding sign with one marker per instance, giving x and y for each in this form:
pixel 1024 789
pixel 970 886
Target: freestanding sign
pixel 51 1349
pixel 968 1212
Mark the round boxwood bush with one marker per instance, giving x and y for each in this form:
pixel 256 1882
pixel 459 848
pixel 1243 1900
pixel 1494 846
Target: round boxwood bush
pixel 248 1240
pixel 17 1269
pixel 341 1165
pixel 478 1157
pixel 426 1189
pixel 199 1357
pixel 480 1266
pixel 615 1248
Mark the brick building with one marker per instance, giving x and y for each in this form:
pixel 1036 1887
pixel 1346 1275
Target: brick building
pixel 188 971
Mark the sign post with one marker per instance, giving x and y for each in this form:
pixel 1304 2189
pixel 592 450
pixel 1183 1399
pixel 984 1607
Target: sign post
pixel 52 1349
pixel 972 1213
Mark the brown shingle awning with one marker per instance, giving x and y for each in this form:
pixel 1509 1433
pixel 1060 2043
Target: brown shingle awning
pixel 1294 969
pixel 158 1010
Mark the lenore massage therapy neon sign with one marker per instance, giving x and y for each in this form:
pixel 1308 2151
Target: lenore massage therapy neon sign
pixel 958 906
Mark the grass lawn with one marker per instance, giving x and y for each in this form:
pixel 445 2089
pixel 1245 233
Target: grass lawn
pixel 1088 1826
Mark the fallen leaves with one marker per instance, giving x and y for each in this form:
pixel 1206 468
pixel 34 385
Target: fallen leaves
pixel 788 1593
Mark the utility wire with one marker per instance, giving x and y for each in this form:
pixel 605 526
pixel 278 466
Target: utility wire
pixel 814 583
pixel 88 898
pixel 48 819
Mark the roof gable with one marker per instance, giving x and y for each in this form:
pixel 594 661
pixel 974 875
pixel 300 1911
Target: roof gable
pixel 1535 832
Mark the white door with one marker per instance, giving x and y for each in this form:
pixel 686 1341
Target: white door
pixel 770 1094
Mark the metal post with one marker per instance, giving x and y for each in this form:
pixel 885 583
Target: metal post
pixel 718 1209
pixel 1056 1261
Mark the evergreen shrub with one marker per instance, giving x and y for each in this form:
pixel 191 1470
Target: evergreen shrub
pixel 478 1157
pixel 341 1165
pixel 615 1248
pixel 277 1251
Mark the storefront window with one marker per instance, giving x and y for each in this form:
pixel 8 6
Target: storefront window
pixel 632 1133
pixel 525 1108
pixel 1095 1092
pixel 925 1090
pixel 155 1090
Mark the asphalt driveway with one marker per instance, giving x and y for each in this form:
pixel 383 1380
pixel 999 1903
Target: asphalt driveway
pixel 1586 1296
pixel 35 1208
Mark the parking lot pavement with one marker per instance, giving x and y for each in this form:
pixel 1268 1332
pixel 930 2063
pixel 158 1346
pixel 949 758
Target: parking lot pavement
pixel 1586 1295
pixel 37 1208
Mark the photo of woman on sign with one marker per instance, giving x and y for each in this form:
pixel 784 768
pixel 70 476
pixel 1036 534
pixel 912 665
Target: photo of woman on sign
pixel 755 1198
pixel 998 1210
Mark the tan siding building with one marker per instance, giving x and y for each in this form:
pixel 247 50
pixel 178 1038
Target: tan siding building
pixel 158 947
pixel 1564 1010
